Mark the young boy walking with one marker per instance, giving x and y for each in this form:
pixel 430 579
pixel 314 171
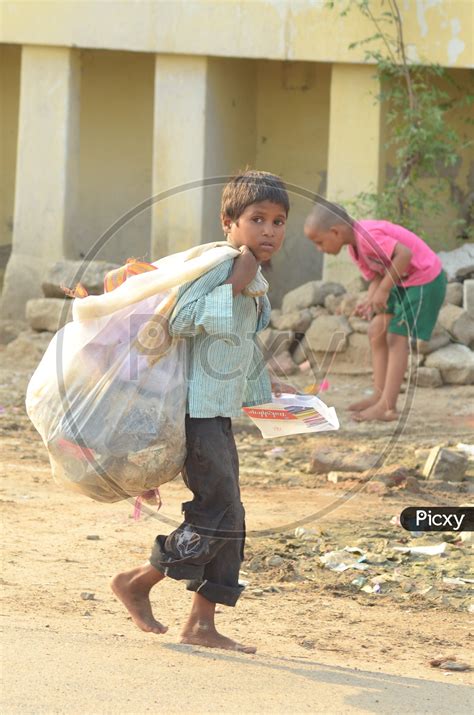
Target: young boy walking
pixel 219 317
pixel 407 289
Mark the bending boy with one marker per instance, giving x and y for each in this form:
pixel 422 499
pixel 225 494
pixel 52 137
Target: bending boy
pixel 407 289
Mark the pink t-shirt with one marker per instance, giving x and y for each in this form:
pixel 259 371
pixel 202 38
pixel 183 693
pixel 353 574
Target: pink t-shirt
pixel 376 241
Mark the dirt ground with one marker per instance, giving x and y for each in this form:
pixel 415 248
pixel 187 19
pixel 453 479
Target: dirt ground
pixel 60 550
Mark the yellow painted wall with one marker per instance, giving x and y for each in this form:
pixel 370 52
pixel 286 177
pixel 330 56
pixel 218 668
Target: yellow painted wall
pixel 10 60
pixel 116 120
pixel 437 30
pixel 292 141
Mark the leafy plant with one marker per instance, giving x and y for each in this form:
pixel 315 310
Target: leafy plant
pixel 420 101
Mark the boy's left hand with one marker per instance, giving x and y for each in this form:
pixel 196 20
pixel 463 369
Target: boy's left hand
pixel 279 387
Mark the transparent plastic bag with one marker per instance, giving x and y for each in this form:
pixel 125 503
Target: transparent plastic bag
pixel 110 410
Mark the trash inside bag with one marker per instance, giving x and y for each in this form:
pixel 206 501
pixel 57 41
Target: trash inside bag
pixel 109 409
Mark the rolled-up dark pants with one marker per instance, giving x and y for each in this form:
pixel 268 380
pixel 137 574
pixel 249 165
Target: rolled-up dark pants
pixel 207 548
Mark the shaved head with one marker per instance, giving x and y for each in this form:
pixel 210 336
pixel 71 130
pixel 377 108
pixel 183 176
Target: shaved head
pixel 326 215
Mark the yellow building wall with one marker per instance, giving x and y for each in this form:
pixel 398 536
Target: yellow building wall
pixel 292 141
pixel 436 30
pixel 10 61
pixel 116 120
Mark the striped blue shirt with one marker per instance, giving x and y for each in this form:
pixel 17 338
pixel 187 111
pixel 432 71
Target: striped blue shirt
pixel 225 366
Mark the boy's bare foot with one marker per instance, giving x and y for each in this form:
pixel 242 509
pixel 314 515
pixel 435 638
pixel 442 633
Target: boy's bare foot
pixel 210 638
pixel 377 412
pixel 364 404
pixel 133 589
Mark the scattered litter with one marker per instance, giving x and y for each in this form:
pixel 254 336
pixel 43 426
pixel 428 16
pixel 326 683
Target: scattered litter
pixel 466 448
pixel 432 550
pixel 359 581
pixel 342 560
pixel 302 533
pixel 93 537
pixel 88 596
pixel 275 453
pixel 459 581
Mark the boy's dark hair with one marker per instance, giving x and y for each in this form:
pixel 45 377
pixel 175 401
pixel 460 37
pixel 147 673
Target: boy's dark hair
pixel 326 214
pixel 249 187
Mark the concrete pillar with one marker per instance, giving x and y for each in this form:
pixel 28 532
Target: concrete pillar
pixel 46 176
pixel 178 151
pixel 10 56
pixel 204 127
pixel 354 157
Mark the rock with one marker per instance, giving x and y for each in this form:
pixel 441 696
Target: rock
pixel 458 323
pixel 29 347
pixel 282 364
pixel 275 560
pixel 428 377
pixel 69 273
pixel 445 464
pixel 458 264
pixel 10 329
pixel 355 360
pixel 297 321
pixel 348 304
pixel 455 362
pixel 439 338
pixel 411 484
pixel 48 313
pixel 468 297
pixel 317 310
pixel 274 342
pixel 454 665
pixel 356 285
pixel 454 292
pixel 332 303
pixel 325 461
pixel 308 294
pixel 359 325
pixel 328 333
pixel 275 314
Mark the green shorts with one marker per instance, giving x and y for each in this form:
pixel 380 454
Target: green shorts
pixel 415 309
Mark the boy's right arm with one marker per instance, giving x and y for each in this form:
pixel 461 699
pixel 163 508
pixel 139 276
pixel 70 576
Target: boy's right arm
pixel 205 305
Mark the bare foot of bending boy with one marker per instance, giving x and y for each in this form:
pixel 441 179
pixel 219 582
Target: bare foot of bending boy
pixel 377 412
pixel 364 404
pixel 133 589
pixel 200 628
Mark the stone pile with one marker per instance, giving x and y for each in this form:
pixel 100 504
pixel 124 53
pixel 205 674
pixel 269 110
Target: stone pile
pixel 54 310
pixel 316 324
pixel 44 316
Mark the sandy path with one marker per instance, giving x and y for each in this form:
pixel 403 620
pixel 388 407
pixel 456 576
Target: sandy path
pixel 97 673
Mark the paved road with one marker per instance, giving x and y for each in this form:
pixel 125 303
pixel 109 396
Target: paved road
pixel 87 673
